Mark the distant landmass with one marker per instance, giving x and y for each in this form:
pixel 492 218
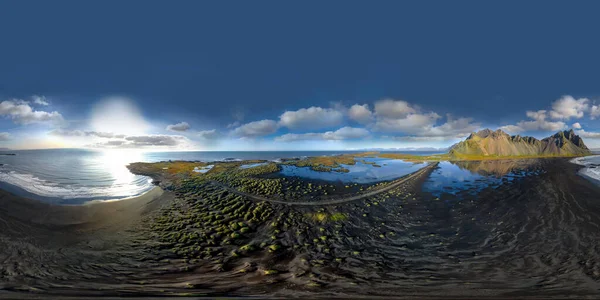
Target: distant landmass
pixel 488 143
pixel 407 149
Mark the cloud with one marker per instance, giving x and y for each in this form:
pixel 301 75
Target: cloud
pixel 412 138
pixel 401 117
pixel 180 127
pixel 411 124
pixel 343 133
pixel 311 118
pixel 21 113
pixel 594 112
pixel 4 136
pixel 80 133
pixel 40 100
pixel 155 140
pixel 233 125
pixel 512 128
pixel 568 107
pixel 256 129
pixel 538 123
pixel 360 113
pixel 453 128
pixel 389 108
pixel 208 134
pixel 576 126
pixel 398 116
pixel 589 135
pixel 142 141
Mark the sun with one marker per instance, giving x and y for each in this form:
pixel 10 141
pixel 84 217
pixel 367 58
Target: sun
pixel 118 115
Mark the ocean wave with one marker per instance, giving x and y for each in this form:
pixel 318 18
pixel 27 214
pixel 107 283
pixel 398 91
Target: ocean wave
pixel 49 189
pixel 592 164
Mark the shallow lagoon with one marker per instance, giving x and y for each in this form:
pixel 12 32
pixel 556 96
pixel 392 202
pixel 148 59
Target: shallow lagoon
pixel 248 166
pixel 473 176
pixel 388 169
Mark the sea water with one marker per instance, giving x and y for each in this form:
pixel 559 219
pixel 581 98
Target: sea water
pixel 75 176
pixel 592 167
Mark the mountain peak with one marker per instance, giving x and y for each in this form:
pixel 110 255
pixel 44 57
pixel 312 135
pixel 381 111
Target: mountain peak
pixel 498 143
pixel 484 133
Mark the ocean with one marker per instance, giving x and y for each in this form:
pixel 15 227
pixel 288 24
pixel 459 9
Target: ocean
pixel 75 176
pixel 592 167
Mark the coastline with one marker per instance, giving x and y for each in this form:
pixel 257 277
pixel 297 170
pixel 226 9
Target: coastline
pixel 94 212
pixel 134 247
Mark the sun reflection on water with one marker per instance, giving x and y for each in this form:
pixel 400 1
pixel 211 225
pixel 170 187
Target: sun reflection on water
pixel 116 162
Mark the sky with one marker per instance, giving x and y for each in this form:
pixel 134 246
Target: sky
pixel 283 75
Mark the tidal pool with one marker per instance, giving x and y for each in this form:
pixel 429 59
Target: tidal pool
pixel 248 166
pixel 386 169
pixel 203 169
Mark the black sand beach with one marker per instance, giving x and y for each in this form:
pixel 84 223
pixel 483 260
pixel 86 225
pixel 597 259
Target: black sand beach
pixel 535 236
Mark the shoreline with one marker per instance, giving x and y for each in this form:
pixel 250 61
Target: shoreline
pixel 97 212
pixel 159 180
pixel 22 192
pixel 134 246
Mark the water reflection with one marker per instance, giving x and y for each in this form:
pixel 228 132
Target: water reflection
pixel 472 176
pixel 369 171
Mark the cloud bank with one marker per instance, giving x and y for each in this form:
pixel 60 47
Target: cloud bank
pixel 179 127
pixel 21 113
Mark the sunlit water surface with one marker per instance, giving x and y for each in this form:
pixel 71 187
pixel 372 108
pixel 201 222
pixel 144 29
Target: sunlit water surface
pixel 75 176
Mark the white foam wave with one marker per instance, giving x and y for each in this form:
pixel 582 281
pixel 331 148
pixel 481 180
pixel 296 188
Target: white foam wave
pixel 45 188
pixel 591 163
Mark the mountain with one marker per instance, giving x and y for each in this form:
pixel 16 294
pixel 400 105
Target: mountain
pixel 498 143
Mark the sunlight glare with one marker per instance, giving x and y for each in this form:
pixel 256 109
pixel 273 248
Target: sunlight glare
pixel 118 115
pixel 116 161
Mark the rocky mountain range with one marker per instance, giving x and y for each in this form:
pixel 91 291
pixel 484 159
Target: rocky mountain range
pixel 488 143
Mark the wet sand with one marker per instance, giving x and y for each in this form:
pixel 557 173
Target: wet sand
pixel 535 236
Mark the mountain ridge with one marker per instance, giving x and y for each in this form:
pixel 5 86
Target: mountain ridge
pixel 488 143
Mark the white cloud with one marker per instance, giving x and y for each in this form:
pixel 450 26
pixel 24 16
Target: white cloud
pixel 155 140
pixel 538 123
pixel 256 129
pixel 412 138
pixel 360 113
pixel 80 133
pixel 411 124
pixel 233 125
pixel 397 116
pixel 568 107
pixel 389 108
pixel 594 112
pixel 208 134
pixel 590 135
pixel 4 136
pixel 40 100
pixel 511 128
pixel 453 128
pixel 311 118
pixel 21 113
pixel 180 127
pixel 344 133
pixel 576 126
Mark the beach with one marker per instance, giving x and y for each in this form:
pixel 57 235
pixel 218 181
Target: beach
pixel 527 228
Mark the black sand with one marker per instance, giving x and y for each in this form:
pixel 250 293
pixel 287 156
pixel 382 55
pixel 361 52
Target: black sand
pixel 536 237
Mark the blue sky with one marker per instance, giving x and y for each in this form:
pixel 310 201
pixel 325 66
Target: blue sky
pixel 279 75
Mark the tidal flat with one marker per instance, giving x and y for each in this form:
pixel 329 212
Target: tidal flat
pixel 450 229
